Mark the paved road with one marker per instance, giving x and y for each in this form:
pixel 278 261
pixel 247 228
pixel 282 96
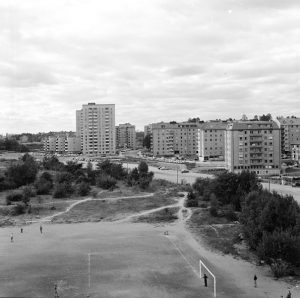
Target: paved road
pixel 285 190
pixel 172 175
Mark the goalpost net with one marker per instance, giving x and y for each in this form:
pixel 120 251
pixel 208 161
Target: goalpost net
pixel 201 264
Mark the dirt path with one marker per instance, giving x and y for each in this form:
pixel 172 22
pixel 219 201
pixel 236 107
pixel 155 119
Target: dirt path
pixel 50 218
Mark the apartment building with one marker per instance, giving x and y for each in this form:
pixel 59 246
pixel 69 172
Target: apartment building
pixel 296 152
pixel 290 134
pixel 95 125
pixel 211 140
pixel 62 144
pixel 170 139
pixel 253 146
pixel 125 136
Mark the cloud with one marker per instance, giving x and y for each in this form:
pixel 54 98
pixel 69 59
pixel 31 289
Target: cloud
pixel 156 60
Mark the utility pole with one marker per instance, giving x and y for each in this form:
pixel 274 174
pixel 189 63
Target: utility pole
pixel 177 174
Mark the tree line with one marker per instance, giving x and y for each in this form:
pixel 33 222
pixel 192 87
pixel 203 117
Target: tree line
pixel 270 222
pixel 27 178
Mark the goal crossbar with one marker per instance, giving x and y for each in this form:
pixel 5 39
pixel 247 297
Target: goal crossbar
pixel 200 272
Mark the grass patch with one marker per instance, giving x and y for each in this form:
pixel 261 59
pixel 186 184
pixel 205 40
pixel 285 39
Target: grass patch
pixel 218 233
pixel 162 216
pixel 109 210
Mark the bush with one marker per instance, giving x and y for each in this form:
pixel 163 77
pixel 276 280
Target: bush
pixel 230 214
pixel 280 268
pixel 213 210
pixel 18 209
pixel 62 190
pixel 14 197
pixel 106 182
pixel 43 186
pixel 83 189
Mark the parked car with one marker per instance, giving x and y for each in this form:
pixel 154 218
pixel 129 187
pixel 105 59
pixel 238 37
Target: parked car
pixel 296 184
pixel 184 171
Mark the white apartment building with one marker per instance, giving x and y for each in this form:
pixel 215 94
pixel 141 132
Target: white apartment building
pixel 95 125
pixel 62 144
pixel 170 139
pixel 126 136
pixel 290 133
pixel 211 140
pixel 253 146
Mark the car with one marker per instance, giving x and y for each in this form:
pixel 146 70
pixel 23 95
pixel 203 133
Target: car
pixel 184 171
pixel 296 184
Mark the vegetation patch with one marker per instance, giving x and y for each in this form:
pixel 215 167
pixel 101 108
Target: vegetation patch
pixel 109 210
pixel 165 215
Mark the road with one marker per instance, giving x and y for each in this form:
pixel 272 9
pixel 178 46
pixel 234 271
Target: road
pixel 284 190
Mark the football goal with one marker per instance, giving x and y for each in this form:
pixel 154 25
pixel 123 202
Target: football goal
pixel 201 265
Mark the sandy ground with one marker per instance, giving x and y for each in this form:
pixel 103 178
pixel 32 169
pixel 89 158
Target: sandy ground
pixel 32 253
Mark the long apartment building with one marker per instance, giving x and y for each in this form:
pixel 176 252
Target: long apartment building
pixel 95 125
pixel 62 144
pixel 253 146
pixel 170 139
pixel 126 136
pixel 211 141
pixel 290 134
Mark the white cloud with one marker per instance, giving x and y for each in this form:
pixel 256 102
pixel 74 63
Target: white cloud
pixel 156 60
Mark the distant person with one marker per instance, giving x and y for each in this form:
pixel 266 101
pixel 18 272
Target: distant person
pixel 55 291
pixel 205 279
pixel 289 295
pixel 255 281
pixel 11 237
pixel 41 229
pixel 21 230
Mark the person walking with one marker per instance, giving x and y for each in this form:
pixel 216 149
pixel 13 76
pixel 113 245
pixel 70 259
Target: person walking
pixel 255 281
pixel 11 237
pixel 289 295
pixel 41 229
pixel 21 230
pixel 55 291
pixel 205 279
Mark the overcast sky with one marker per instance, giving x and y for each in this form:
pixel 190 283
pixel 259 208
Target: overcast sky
pixel 155 59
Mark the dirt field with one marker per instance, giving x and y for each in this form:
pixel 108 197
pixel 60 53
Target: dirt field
pixel 125 261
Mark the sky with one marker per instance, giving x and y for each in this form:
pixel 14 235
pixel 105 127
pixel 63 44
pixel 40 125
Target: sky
pixel 156 60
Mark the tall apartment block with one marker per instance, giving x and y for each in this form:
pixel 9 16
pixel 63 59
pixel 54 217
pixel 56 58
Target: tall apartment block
pixel 290 134
pixel 126 136
pixel 211 140
pixel 169 139
pixel 95 125
pixel 253 146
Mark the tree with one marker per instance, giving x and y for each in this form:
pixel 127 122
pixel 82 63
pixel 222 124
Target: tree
pixel 147 141
pixel 264 117
pixel 23 172
pixel 83 189
pixel 143 168
pixel 52 163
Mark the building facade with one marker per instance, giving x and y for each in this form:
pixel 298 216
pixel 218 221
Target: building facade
pixel 126 136
pixel 290 134
pixel 62 144
pixel 169 139
pixel 95 125
pixel 211 140
pixel 253 146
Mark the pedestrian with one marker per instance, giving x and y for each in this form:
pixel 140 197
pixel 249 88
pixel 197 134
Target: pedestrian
pixel 41 229
pixel 11 237
pixel 55 291
pixel 255 281
pixel 289 295
pixel 205 279
pixel 21 230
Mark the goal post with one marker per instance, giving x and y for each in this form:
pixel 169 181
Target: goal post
pixel 213 276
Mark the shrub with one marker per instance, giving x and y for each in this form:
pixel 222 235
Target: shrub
pixel 18 209
pixel 230 214
pixel 106 182
pixel 280 268
pixel 14 197
pixel 62 190
pixel 83 189
pixel 43 186
pixel 213 210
